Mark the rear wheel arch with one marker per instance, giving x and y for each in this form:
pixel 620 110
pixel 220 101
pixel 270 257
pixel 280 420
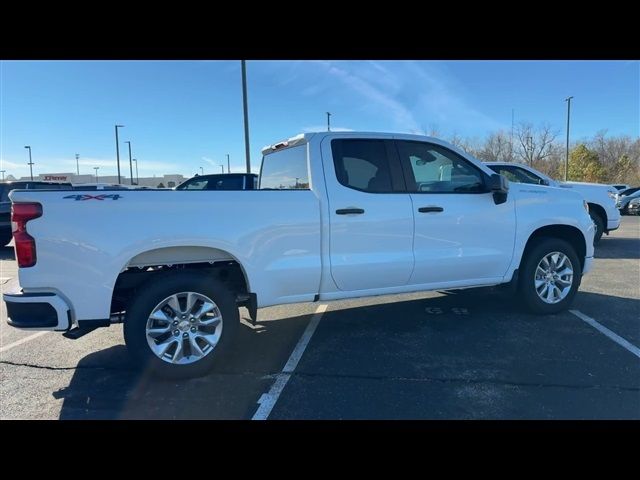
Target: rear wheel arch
pixel 144 266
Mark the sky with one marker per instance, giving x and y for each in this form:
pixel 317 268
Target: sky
pixel 183 115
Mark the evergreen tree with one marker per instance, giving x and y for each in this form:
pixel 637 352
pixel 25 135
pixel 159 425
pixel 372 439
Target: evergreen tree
pixel 584 165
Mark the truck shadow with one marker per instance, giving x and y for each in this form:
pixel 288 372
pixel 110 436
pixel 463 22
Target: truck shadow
pixel 108 385
pixel 469 328
pixel 618 248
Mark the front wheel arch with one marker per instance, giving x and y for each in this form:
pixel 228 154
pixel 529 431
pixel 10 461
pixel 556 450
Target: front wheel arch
pixel 569 234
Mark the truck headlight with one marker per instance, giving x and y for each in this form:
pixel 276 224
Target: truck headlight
pixel 613 195
pixel 635 202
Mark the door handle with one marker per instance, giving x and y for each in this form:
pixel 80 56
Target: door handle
pixel 430 209
pixel 347 211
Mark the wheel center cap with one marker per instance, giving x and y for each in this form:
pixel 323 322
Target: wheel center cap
pixel 183 326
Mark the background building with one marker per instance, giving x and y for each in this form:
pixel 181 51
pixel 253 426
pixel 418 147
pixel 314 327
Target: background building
pixel 168 181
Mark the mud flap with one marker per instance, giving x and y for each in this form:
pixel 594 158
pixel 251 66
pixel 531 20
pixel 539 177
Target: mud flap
pixel 250 302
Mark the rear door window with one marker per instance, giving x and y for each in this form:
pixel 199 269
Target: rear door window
pixel 362 164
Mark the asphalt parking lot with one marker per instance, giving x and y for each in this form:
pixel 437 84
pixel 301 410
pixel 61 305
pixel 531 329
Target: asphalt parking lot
pixel 474 354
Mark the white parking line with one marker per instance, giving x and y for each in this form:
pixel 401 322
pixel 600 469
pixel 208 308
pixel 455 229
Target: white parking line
pixel 604 330
pixel 22 340
pixel 268 400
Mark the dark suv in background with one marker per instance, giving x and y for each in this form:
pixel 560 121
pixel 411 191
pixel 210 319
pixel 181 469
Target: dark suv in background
pixel 221 181
pixel 5 203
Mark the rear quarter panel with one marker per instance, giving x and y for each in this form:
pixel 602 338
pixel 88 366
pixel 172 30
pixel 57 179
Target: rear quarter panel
pixel 82 246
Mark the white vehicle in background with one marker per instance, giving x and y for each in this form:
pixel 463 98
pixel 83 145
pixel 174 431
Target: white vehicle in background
pixel 601 198
pixel 621 186
pixel 335 216
pixel 101 186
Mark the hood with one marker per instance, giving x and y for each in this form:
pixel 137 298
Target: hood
pixel 587 184
pixel 529 188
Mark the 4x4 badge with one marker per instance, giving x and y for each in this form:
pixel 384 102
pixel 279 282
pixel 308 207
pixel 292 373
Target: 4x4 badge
pixel 94 197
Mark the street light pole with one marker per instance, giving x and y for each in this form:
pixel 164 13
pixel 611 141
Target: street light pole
pixel 201 171
pixel 228 164
pixel 2 172
pixel 77 164
pixel 118 151
pixel 30 161
pixel 96 169
pixel 328 121
pixel 130 163
pixel 137 176
pixel 566 158
pixel 530 149
pixel 222 167
pixel 246 116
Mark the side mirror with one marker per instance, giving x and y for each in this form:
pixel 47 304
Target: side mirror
pixel 499 186
pixel 542 181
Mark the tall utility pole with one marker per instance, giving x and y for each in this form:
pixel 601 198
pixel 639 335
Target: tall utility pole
pixel 77 164
pixel 137 176
pixel 2 172
pixel 117 151
pixel 228 164
pixel 246 116
pixel 222 168
pixel 512 118
pixel 130 163
pixel 30 161
pixel 328 121
pixel 96 169
pixel 566 158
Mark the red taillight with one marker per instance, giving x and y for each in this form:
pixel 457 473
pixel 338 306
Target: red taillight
pixel 25 245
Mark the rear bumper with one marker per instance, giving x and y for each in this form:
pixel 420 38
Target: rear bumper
pixel 35 311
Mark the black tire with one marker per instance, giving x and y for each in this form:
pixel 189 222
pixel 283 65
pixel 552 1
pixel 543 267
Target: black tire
pixel 153 292
pixel 599 223
pixel 526 279
pixel 5 238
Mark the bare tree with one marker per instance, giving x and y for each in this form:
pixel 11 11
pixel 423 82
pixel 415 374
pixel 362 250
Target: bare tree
pixel 464 143
pixel 534 144
pixel 432 130
pixel 496 148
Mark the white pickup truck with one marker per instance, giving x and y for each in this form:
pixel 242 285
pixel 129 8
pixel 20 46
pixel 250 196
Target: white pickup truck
pixel 600 198
pixel 336 215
